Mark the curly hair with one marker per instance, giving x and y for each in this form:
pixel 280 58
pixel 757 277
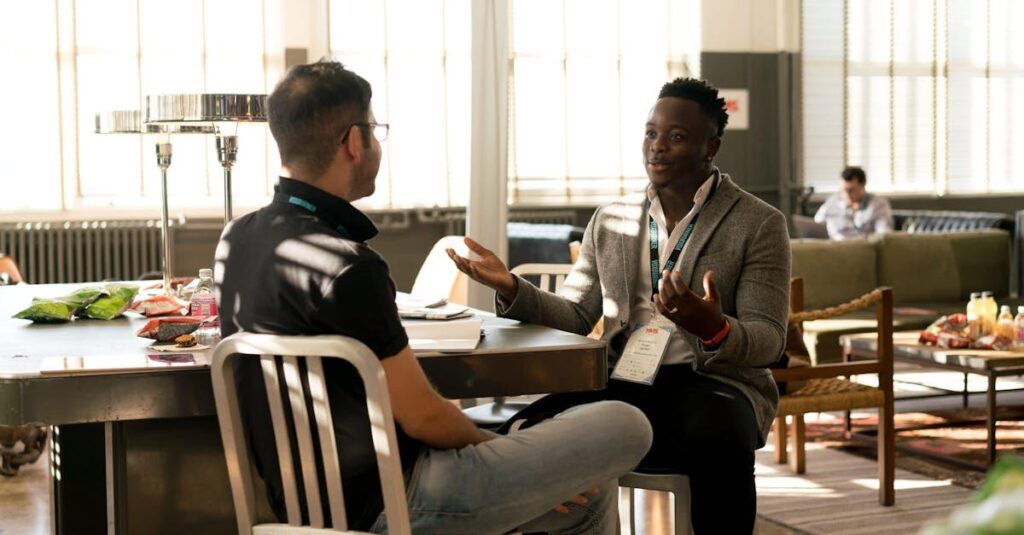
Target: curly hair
pixel 704 94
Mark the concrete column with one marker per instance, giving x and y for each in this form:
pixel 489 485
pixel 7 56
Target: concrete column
pixel 487 211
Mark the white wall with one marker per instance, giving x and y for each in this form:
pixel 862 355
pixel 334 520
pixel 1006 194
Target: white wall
pixel 750 25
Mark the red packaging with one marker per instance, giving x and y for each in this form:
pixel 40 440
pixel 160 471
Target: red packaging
pixel 160 305
pixel 164 329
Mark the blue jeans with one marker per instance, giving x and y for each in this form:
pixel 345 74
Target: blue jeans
pixel 513 483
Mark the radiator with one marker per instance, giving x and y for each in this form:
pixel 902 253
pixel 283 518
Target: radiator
pixel 83 251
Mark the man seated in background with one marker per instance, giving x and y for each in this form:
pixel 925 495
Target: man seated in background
pixel 852 212
pixel 301 266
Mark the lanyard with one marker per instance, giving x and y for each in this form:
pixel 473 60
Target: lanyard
pixel 670 263
pixel 311 208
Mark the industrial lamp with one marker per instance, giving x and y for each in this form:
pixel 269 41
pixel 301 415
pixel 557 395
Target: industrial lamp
pixel 129 122
pixel 215 109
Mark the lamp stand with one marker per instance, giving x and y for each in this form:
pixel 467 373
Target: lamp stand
pixel 163 159
pixel 227 152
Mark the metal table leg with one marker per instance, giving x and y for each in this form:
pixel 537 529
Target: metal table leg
pixel 991 413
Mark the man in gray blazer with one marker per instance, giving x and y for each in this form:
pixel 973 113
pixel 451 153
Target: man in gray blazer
pixel 691 332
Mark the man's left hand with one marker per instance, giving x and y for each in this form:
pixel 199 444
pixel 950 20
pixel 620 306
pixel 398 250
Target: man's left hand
pixel 701 316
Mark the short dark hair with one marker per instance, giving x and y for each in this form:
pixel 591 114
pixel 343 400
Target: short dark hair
pixel 311 108
pixel 704 94
pixel 854 173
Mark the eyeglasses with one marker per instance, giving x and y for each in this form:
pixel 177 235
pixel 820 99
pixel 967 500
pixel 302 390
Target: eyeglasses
pixel 380 131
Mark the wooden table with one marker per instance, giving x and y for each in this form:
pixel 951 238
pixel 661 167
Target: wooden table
pixel 991 364
pixel 139 451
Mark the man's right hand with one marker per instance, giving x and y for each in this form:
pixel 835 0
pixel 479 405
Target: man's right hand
pixel 489 270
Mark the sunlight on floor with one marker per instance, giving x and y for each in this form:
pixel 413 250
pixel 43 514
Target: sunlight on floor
pixel 905 484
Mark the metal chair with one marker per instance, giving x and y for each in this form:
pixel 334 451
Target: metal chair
pixel 677 484
pixel 492 415
pixel 291 349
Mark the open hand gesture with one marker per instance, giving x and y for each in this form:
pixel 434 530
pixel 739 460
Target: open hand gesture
pixel 699 315
pixel 489 270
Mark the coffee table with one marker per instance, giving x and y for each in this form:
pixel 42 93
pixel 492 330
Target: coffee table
pixel 991 364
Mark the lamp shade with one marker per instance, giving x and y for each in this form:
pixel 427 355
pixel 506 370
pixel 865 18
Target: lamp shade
pixel 130 122
pixel 206 107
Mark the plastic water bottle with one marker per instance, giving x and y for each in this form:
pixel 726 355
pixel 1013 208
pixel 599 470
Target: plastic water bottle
pixel 204 302
pixel 1018 328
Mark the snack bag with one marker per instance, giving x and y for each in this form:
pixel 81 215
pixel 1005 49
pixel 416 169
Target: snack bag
pixel 160 305
pixel 996 342
pixel 60 309
pixel 111 305
pixel 164 329
pixel 953 341
pixel 48 311
pixel 84 297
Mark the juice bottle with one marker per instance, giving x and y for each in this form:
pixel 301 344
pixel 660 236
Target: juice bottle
pixel 974 316
pixel 1004 324
pixel 989 309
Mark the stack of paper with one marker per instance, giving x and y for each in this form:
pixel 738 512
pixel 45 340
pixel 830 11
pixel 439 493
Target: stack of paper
pixel 455 335
pixel 414 307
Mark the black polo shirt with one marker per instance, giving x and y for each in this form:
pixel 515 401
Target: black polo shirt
pixel 300 266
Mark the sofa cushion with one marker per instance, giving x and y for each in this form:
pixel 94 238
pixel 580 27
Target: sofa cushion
pixel 944 267
pixel 918 267
pixel 983 260
pixel 834 271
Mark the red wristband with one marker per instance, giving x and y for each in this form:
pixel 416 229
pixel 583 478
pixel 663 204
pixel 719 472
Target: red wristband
pixel 719 336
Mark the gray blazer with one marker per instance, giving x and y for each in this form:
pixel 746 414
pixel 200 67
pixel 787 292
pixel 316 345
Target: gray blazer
pixel 742 239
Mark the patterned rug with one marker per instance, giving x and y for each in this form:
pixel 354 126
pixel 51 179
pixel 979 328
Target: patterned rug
pixel 965 441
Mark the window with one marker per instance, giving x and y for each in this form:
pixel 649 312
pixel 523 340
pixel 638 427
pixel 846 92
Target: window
pixel 922 93
pixel 416 55
pixel 73 59
pixel 584 75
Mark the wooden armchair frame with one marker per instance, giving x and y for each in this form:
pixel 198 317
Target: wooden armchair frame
pixel 826 391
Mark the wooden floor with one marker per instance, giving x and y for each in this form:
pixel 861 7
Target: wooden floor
pixel 25 507
pixel 25 500
pixel 839 495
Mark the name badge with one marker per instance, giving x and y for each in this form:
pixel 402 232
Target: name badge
pixel 644 352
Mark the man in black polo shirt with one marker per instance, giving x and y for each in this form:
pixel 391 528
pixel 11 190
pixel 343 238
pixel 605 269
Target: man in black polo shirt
pixel 301 266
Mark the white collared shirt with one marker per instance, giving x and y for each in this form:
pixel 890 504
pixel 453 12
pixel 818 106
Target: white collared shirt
pixel 844 223
pixel 642 308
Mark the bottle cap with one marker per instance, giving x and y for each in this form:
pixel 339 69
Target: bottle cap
pixel 206 273
pixel 986 294
pixel 975 295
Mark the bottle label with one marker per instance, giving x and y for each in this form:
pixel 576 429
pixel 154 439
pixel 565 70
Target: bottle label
pixel 203 305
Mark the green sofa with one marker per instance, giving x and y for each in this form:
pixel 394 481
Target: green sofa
pixel 933 273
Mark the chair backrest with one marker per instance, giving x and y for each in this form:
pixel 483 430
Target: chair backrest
pixel 9 268
pixel 551 276
pixel 312 349
pixel 438 276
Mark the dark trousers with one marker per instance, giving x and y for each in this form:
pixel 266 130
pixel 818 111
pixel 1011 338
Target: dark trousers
pixel 703 428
